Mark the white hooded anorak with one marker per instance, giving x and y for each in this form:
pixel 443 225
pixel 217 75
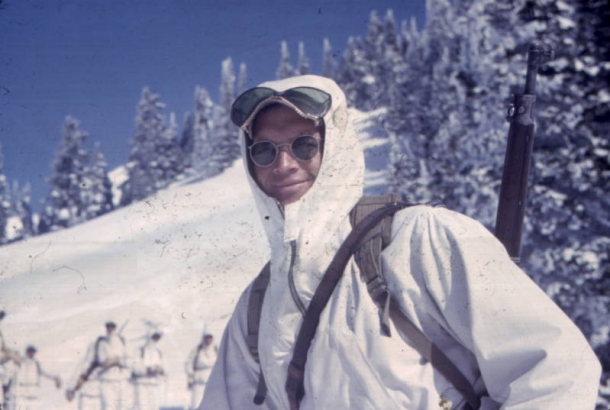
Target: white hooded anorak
pixel 450 276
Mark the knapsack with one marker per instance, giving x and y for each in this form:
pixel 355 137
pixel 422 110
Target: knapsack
pixel 371 220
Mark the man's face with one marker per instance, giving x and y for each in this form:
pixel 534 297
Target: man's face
pixel 208 340
pixel 288 178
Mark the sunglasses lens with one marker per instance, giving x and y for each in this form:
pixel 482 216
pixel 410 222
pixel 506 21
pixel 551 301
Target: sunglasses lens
pixel 247 102
pixel 263 153
pixel 305 147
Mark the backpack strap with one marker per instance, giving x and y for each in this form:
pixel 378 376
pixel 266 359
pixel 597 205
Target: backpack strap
pixel 255 305
pixel 368 256
pixel 368 259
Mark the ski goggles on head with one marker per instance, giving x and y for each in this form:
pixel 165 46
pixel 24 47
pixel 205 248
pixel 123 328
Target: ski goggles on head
pixel 308 101
pixel 303 148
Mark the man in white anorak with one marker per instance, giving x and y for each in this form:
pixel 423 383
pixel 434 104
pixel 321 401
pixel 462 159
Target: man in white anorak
pixel 9 361
pixel 4 368
pixel 147 374
pixel 447 273
pixel 114 373
pixel 25 386
pixel 198 367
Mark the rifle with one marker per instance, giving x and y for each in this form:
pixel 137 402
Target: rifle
pixel 511 206
pixel 84 377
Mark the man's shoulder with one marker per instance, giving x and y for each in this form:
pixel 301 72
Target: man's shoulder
pixel 428 218
pixel 419 213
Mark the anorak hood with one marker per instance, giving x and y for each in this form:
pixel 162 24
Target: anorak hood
pixel 338 185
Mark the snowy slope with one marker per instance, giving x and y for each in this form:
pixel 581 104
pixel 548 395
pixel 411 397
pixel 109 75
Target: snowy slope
pixel 179 259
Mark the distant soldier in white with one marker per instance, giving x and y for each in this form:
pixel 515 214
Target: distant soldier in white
pixel 199 366
pixel 147 373
pixel 87 384
pixel 9 359
pixel 26 383
pixel 114 372
pixel 3 369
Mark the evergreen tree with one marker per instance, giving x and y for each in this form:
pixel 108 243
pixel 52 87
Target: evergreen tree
pixel 155 158
pixel 370 65
pixel 242 83
pixel 170 157
pixel 20 206
pixel 98 198
pixel 24 210
pixel 328 60
pixel 385 50
pixel 197 142
pixel 5 201
pixel 187 139
pixel 285 68
pixel 225 146
pixel 352 74
pixel 64 207
pixel 303 64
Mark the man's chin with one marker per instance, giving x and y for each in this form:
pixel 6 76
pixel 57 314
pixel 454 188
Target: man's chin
pixel 292 193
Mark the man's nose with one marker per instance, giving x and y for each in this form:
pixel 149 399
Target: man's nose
pixel 285 159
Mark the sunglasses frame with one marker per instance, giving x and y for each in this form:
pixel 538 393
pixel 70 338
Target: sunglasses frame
pixel 318 140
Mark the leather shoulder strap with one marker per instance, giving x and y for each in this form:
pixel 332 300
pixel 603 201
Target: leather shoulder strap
pixel 255 305
pixel 368 255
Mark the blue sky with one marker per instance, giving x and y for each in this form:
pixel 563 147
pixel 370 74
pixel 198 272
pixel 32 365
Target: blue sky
pixel 91 58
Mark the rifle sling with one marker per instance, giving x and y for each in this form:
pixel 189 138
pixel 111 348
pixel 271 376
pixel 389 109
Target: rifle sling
pixel 433 354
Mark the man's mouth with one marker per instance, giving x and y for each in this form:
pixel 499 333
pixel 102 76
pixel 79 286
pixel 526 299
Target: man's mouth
pixel 287 184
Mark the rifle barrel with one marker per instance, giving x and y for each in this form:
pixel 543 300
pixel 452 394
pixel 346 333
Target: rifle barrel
pixel 513 191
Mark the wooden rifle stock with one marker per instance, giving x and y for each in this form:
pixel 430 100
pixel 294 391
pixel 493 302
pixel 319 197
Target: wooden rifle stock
pixel 511 206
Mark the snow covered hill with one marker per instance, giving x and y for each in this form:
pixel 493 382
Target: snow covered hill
pixel 179 259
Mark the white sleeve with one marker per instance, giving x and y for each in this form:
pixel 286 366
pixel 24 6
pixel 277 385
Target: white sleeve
pixel 189 364
pixel 234 378
pixel 445 267
pixel 138 361
pixel 103 351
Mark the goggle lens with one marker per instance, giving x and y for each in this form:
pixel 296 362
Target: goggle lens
pixel 307 99
pixel 303 148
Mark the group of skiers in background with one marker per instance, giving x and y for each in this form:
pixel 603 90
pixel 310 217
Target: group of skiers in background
pixel 105 373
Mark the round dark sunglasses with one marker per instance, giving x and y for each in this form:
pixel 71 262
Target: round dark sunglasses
pixel 310 101
pixel 303 148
